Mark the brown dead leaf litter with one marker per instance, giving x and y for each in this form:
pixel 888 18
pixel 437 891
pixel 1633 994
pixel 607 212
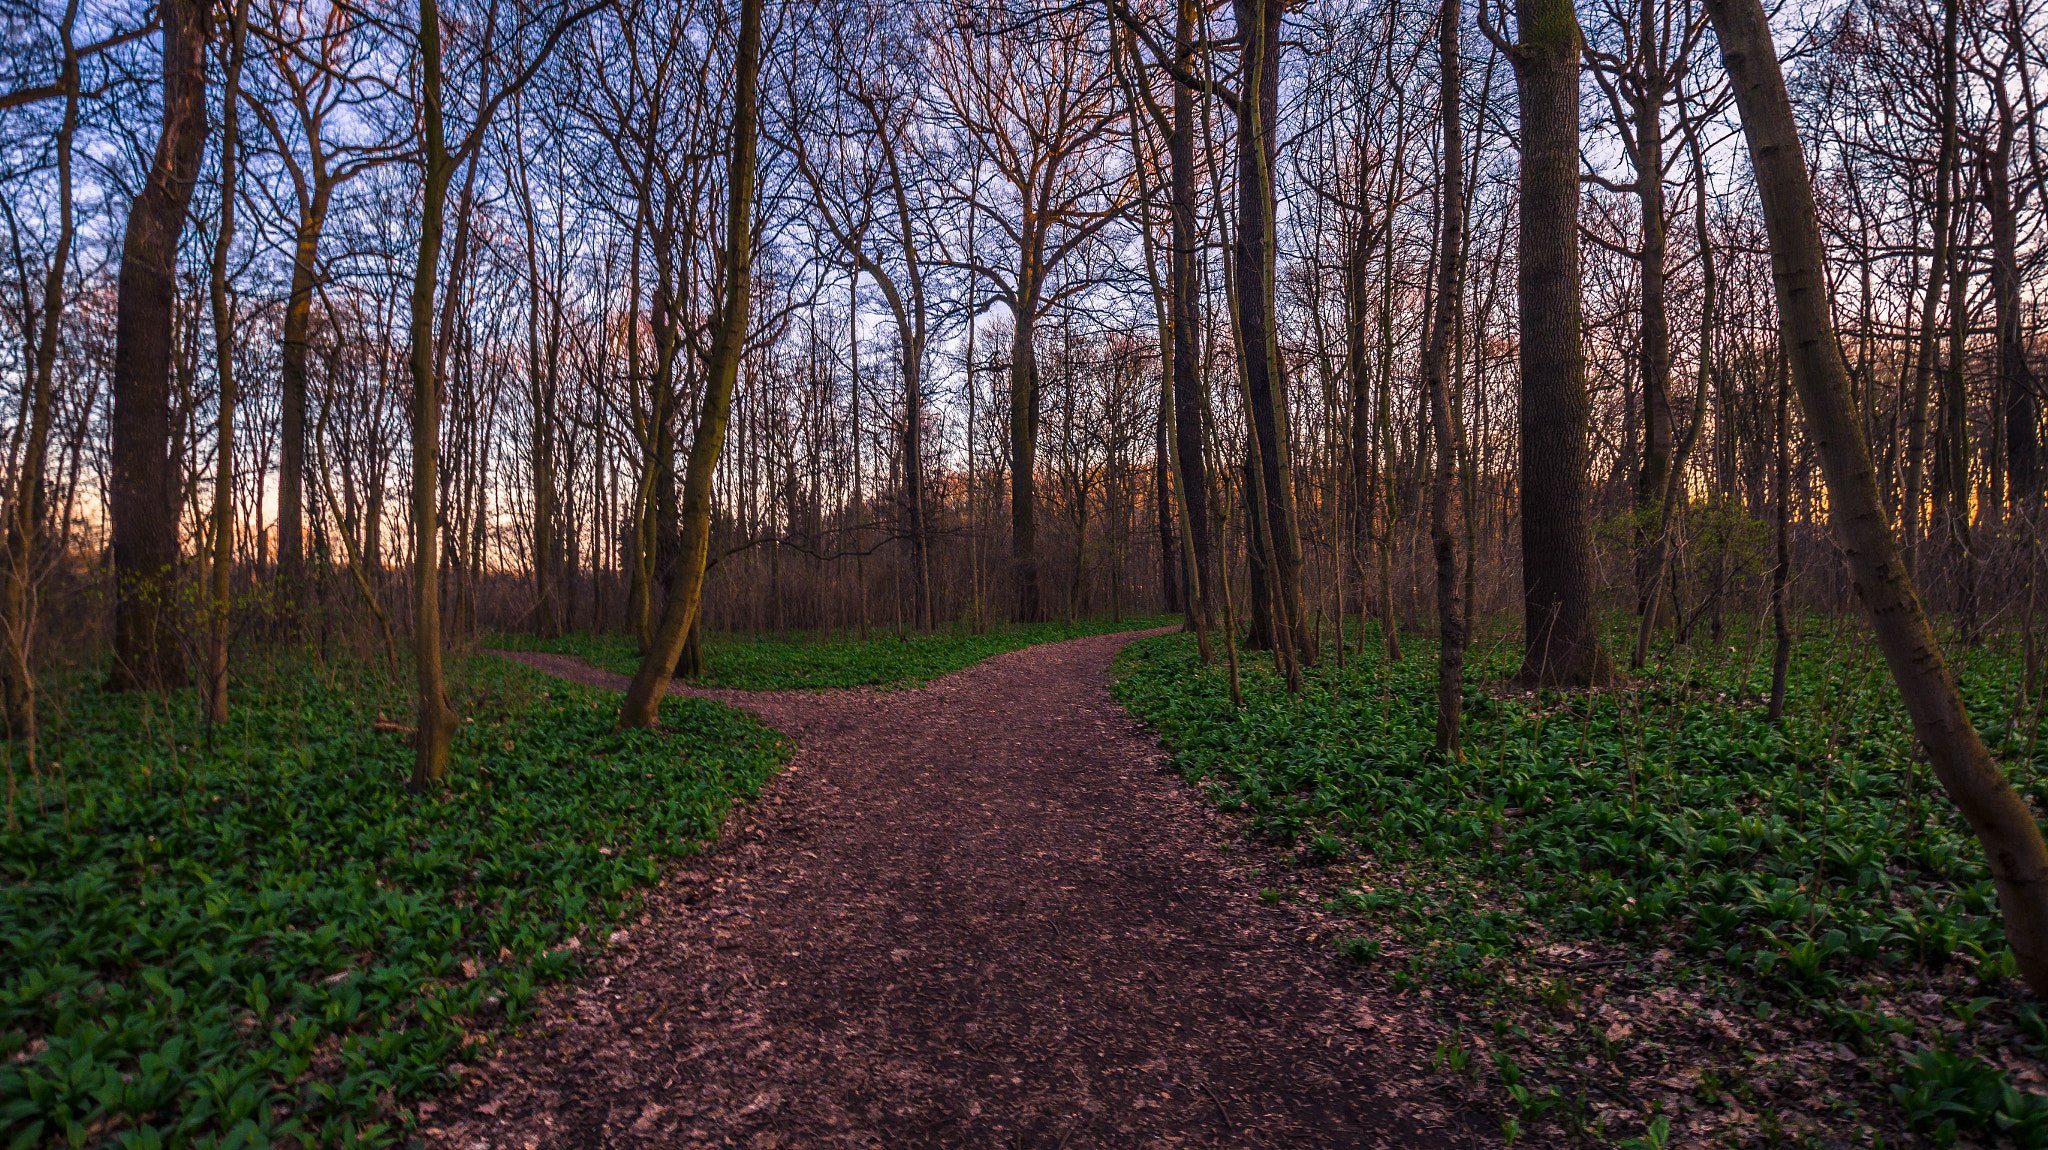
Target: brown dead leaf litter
pixel 977 914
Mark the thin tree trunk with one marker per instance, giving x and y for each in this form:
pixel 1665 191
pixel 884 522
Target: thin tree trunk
pixel 1923 368
pixel 434 727
pixel 1655 332
pixel 291 459
pixel 1184 317
pixel 224 371
pixel 1669 496
pixel 1450 665
pixel 1389 628
pixel 643 698
pixel 1781 571
pixel 540 392
pixel 1024 396
pixel 1954 462
pixel 26 512
pixel 2003 822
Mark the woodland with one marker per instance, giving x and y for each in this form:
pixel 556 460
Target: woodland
pixel 1581 459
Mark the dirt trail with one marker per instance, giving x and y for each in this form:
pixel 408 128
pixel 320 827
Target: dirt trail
pixel 977 914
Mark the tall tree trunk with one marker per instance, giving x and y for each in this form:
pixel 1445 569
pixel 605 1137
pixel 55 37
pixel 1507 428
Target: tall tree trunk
pixel 914 489
pixel 1973 779
pixel 1389 628
pixel 1670 496
pixel 2016 389
pixel 643 699
pixel 1259 26
pixel 144 481
pixel 1563 647
pixel 434 726
pixel 540 391
pixel 1024 439
pixel 1655 332
pixel 224 372
pixel 1436 370
pixel 1184 315
pixel 1361 483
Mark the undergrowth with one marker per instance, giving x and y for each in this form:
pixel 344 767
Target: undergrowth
pixel 254 934
pixel 1652 891
pixel 816 660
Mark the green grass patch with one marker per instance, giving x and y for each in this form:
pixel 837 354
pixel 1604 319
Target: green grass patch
pixel 813 660
pixel 254 934
pixel 1809 881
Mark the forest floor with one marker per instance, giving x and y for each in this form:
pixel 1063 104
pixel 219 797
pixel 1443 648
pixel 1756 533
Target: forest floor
pixel 984 912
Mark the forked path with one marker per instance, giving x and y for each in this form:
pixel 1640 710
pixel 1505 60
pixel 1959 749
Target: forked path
pixel 977 914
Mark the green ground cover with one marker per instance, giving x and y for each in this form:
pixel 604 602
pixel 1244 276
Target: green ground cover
pixel 254 934
pixel 1657 913
pixel 809 661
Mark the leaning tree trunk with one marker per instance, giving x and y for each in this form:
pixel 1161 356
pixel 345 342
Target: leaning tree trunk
pixel 1973 779
pixel 144 476
pixel 1450 664
pixel 1557 552
pixel 679 614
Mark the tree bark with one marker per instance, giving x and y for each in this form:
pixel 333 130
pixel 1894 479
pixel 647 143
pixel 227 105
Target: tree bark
pixel 434 725
pixel 1670 496
pixel 1450 664
pixel 224 373
pixel 1259 26
pixel 1973 779
pixel 1655 329
pixel 679 614
pixel 144 481
pixel 1562 646
pixel 1024 438
pixel 291 456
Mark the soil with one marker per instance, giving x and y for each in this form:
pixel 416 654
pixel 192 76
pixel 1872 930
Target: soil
pixel 982 913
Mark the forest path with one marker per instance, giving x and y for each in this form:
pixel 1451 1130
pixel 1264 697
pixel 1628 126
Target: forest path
pixel 981 913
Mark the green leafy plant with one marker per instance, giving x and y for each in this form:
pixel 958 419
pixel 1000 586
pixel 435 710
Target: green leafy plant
pixel 1798 867
pixel 253 933
pixel 1943 1094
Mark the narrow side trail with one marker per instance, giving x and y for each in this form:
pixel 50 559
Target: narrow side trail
pixel 977 914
